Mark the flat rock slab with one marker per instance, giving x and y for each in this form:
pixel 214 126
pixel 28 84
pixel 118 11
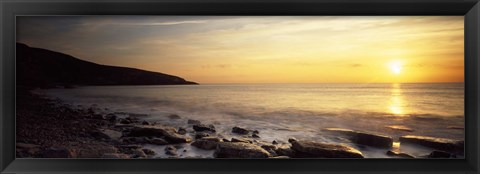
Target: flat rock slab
pixel 433 142
pixel 364 138
pixel 239 150
pixel 400 128
pixel 310 149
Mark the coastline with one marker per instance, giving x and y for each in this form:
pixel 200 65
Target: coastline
pixel 48 128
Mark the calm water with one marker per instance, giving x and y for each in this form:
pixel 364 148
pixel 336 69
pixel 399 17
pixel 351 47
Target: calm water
pixel 280 111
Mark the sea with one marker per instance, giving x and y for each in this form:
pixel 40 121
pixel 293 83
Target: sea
pixel 283 111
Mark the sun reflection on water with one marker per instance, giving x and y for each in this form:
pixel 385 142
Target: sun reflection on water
pixel 396 101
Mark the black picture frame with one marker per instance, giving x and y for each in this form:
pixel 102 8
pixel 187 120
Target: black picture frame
pixel 12 8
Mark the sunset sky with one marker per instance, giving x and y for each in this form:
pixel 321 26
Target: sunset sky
pixel 262 49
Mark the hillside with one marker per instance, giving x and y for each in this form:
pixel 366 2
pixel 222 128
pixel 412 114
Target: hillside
pixel 40 67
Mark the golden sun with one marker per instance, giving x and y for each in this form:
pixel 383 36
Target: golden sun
pixel 396 67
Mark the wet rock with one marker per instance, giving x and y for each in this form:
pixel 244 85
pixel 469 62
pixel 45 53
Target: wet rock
pixel 397 154
pixel 364 138
pixel 241 140
pixel 201 135
pixel 158 141
pixel 99 135
pixel 432 142
pixel 400 128
pixel 138 153
pixel 111 117
pixel 137 140
pixel 374 140
pixel 274 142
pixel 148 151
pixel 255 132
pixel 125 121
pixel 285 151
pixel 115 155
pixel 130 146
pixel 239 150
pixel 164 132
pixel 174 116
pixel 111 134
pixel 170 150
pixel 291 140
pixel 202 127
pixel 439 154
pixel 59 153
pixel 182 131
pixel 191 121
pixel 226 140
pixel 255 135
pixel 207 143
pixel 145 123
pixel 310 149
pixel 97 152
pixel 239 130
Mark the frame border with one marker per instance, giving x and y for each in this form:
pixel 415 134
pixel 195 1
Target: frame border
pixel 12 8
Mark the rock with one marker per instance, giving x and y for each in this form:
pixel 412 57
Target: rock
pixel 400 128
pixel 439 154
pixel 201 135
pixel 170 150
pixel 285 151
pixel 164 132
pixel 255 132
pixel 115 155
pixel 397 154
pixel 182 131
pixel 111 117
pixel 145 123
pixel 111 134
pixel 225 140
pixel 26 146
pixel 239 150
pixel 241 140
pixel 207 143
pixel 310 149
pixel 374 140
pixel 99 135
pixel 138 153
pixel 255 135
pixel 97 152
pixel 436 143
pixel 137 140
pixel 130 146
pixel 202 127
pixel 239 130
pixel 191 121
pixel 455 127
pixel 158 141
pixel 280 157
pixel 125 121
pixel 148 151
pixel 364 138
pixel 274 142
pixel 59 153
pixel 174 116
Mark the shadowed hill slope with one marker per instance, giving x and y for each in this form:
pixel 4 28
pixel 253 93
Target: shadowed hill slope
pixel 40 67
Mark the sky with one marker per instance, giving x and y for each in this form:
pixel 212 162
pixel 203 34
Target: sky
pixel 262 49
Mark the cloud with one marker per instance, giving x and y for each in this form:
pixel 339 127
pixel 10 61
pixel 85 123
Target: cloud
pixel 355 65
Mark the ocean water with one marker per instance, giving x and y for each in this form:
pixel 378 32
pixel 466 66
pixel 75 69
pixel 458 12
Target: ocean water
pixel 281 111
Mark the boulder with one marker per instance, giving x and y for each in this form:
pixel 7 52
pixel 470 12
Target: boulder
pixel 435 143
pixel 400 128
pixel 202 127
pixel 171 150
pixel 310 149
pixel 174 116
pixel 254 135
pixel 398 154
pixel 148 151
pixel 182 131
pixel 145 123
pixel 285 151
pixel 439 154
pixel 111 134
pixel 164 132
pixel 201 135
pixel 125 121
pixel 207 143
pixel 191 121
pixel 239 150
pixel 239 130
pixel 291 140
pixel 139 153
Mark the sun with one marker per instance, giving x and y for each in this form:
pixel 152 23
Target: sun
pixel 396 67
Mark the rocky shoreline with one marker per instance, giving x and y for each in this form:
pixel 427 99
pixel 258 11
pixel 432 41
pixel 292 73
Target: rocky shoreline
pixel 48 128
